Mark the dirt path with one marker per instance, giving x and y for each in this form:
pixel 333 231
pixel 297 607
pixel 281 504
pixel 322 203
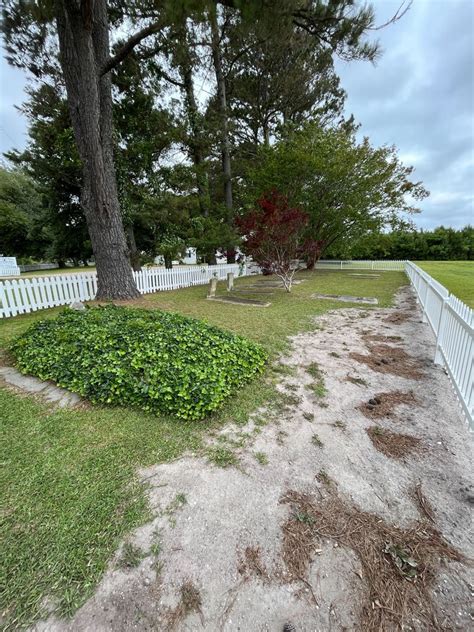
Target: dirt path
pixel 312 529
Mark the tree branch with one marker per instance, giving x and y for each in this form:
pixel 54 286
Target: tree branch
pixel 128 46
pixel 168 77
pixel 399 13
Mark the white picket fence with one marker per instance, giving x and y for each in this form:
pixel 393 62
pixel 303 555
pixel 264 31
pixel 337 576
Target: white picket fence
pixel 452 322
pixel 361 264
pixel 20 296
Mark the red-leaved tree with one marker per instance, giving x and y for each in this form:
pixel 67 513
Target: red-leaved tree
pixel 273 235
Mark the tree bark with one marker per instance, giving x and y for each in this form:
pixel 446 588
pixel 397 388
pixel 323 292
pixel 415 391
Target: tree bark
pixel 310 262
pixel 195 141
pixel 224 119
pixel 211 258
pixel 83 32
pixel 132 244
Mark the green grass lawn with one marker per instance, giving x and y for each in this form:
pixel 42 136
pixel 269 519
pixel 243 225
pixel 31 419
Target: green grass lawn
pixel 69 485
pixel 52 271
pixel 456 276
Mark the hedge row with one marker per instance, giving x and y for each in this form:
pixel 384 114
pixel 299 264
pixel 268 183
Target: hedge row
pixel 158 361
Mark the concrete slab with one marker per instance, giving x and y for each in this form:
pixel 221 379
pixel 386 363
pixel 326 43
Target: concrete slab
pixel 345 298
pixel 47 390
pixel 252 290
pixel 23 382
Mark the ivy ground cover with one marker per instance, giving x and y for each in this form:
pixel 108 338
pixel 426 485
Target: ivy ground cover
pixel 154 360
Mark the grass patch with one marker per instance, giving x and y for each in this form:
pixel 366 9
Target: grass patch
pixel 170 510
pixel 88 458
pixel 222 457
pixel 456 276
pixel 131 556
pixel 323 477
pixel 70 494
pixel 315 440
pixel 317 386
pixel 261 457
pixel 356 380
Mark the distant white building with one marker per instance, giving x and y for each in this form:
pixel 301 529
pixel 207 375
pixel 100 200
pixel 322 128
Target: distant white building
pixel 9 267
pixel 190 258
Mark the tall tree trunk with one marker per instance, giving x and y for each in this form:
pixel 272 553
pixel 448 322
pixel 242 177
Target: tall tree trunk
pixel 211 258
pixel 195 140
pixel 132 244
pixel 224 121
pixel 311 261
pixel 83 32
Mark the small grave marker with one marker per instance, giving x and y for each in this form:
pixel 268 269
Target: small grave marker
pixel 212 288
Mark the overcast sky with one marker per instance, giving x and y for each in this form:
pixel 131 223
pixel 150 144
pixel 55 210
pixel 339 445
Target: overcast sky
pixel 419 96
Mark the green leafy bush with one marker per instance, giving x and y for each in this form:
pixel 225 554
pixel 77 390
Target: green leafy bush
pixel 155 360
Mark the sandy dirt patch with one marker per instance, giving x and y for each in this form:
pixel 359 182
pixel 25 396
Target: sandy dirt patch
pixel 316 528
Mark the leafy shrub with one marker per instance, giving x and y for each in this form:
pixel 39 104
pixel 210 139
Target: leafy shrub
pixel 155 360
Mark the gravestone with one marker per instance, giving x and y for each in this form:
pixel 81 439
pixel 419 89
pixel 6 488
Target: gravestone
pixel 78 306
pixel 230 281
pixel 212 288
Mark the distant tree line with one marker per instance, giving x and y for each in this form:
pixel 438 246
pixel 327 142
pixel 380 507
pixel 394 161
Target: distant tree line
pixel 439 244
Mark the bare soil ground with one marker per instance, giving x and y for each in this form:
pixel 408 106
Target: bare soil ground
pixel 318 527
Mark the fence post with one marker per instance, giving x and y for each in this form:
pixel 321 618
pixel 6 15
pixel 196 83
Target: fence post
pixel 441 331
pixel 424 318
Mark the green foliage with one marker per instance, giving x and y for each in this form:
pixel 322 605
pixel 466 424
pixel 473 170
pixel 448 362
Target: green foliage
pixel 58 230
pixel 347 188
pixel 157 361
pixel 438 244
pixel 20 200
